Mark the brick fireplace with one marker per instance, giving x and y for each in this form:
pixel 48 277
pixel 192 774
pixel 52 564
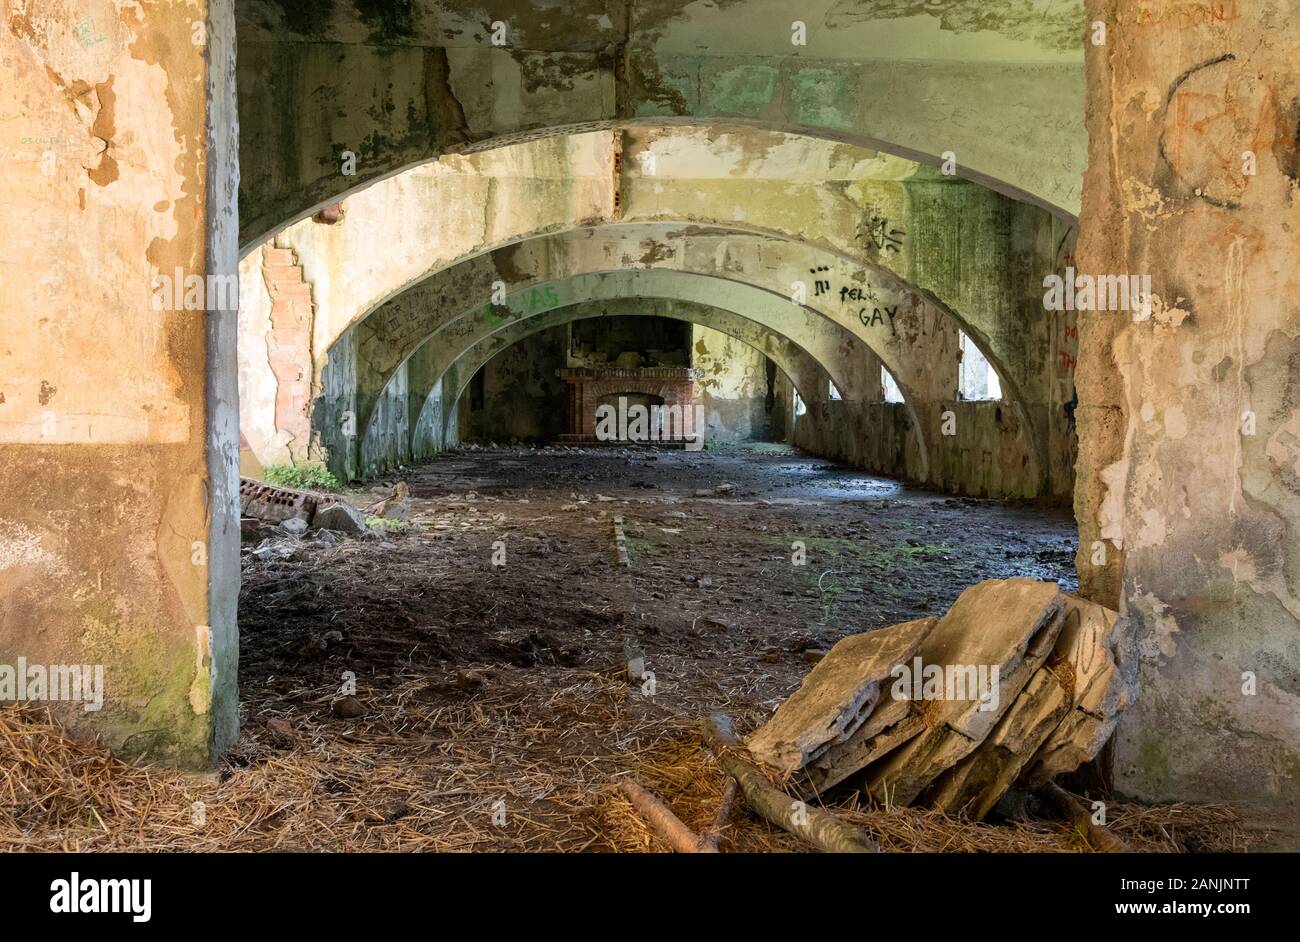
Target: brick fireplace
pixel 590 387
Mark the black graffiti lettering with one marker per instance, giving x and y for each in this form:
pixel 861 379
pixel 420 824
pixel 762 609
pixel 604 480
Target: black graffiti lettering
pixel 891 313
pixel 883 236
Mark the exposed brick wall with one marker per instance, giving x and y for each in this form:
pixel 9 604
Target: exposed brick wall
pixel 675 386
pixel 288 346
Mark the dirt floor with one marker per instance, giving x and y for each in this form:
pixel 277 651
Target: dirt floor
pixel 712 592
pixel 486 643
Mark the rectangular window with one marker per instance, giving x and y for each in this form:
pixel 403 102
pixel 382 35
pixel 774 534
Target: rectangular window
pixel 976 377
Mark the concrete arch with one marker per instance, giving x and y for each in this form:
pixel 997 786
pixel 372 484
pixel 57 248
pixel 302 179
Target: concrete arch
pixel 1002 93
pixel 872 286
pixel 885 438
pixel 967 252
pixel 845 357
pixel 381 352
pixel 918 344
pixel 848 358
pixel 429 428
pixel 964 250
pixel 392 332
pixel 804 370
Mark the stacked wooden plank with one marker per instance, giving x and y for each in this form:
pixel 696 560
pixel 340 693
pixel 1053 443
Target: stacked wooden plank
pixel 1018 681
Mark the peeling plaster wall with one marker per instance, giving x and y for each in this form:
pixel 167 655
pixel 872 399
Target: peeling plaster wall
pixel 276 374
pixel 257 383
pixel 1198 510
pixel 733 389
pixel 118 530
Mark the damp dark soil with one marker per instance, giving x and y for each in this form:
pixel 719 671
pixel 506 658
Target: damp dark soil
pixel 743 563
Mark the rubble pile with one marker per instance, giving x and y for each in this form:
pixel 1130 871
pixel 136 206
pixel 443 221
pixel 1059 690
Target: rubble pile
pixel 1016 684
pixel 265 506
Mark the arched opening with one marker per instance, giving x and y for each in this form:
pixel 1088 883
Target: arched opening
pixel 830 381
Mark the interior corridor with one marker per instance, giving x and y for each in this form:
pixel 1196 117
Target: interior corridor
pixel 451 425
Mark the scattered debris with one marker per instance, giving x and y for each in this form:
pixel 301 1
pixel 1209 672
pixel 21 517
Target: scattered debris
pixel 396 505
pixel 1069 808
pixel 295 511
pixel 556 718
pixel 836 698
pixel 663 822
pixel 820 828
pixel 634 658
pixel 280 729
pixel 340 516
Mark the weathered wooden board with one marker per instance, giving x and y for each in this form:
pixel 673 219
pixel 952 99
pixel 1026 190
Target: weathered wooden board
pixel 836 696
pixel 1099 649
pixel 1010 624
pixel 892 723
pixel 974 785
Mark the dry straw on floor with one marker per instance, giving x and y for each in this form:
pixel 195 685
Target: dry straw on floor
pixel 427 779
pixel 685 776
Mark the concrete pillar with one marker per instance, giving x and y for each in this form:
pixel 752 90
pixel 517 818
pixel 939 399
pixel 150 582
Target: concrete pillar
pixel 118 415
pixel 1189 457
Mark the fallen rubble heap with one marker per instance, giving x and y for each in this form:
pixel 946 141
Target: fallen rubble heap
pixel 1016 684
pixel 262 505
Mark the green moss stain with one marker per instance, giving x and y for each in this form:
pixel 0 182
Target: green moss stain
pixel 636 548
pixel 665 93
pixel 150 704
pixel 1057 29
pixel 744 90
pixel 1152 758
pixel 130 654
pixel 822 98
